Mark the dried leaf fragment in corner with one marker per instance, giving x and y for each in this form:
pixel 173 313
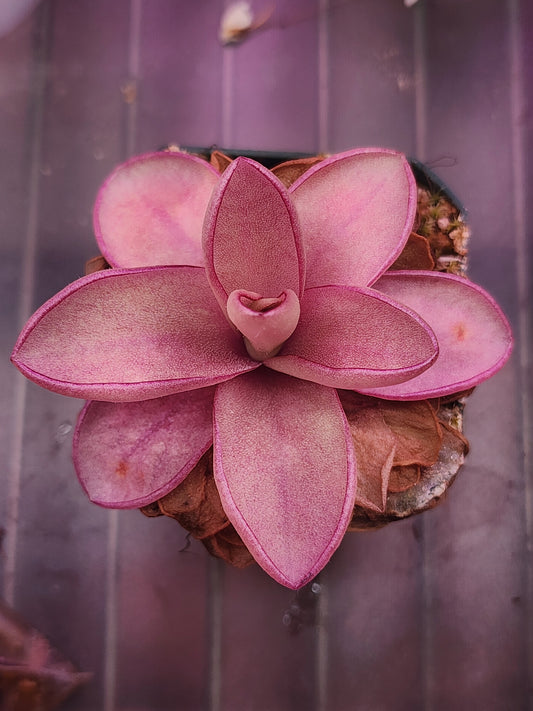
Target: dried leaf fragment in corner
pixel 33 675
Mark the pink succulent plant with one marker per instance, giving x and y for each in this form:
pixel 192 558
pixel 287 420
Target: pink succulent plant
pixel 244 340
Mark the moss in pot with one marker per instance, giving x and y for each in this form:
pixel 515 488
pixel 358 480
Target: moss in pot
pixel 255 353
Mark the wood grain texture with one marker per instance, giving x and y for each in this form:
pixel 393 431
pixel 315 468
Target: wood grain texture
pixel 430 614
pixel 16 114
pixel 60 580
pixel 267 645
pixel 271 92
pixel 371 75
pixel 180 74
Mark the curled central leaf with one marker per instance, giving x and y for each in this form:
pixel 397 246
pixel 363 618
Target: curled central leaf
pixel 265 322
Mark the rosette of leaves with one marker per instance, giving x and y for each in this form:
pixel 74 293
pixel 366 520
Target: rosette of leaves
pixel 263 314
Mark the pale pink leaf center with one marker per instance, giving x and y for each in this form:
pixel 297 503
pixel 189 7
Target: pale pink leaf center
pixel 265 322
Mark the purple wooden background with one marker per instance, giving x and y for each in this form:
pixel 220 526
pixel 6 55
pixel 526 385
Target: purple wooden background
pixel 433 613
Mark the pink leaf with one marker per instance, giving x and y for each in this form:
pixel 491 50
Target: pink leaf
pixel 285 470
pixel 355 338
pixel 473 334
pixel 130 454
pixel 251 236
pixel 124 335
pixel 356 210
pixel 150 210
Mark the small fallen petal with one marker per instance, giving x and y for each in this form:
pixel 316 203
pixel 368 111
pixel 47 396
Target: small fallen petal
pixel 236 22
pixel 33 675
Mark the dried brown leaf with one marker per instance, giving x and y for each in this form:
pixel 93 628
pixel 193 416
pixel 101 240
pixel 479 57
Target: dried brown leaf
pixel 209 517
pixel 404 477
pixel 415 255
pixel 374 445
pixel 440 244
pixel 96 264
pixel 151 510
pixel 188 496
pixel 416 430
pixel 220 160
pixel 459 436
pixel 289 171
pixel 234 553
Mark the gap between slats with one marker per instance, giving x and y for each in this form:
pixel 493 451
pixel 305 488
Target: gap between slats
pixel 523 286
pixel 34 121
pixel 111 611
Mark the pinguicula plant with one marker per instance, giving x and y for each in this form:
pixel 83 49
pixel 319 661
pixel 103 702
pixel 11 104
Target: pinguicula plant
pixel 234 312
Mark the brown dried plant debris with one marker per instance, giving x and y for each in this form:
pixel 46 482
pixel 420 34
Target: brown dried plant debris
pixel 415 255
pixel 402 478
pixel 425 494
pixel 391 440
pixel 195 504
pixel 96 264
pixel 289 171
pixel 220 161
pixel 33 675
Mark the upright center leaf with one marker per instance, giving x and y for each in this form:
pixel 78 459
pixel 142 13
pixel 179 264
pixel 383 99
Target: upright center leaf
pixel 265 322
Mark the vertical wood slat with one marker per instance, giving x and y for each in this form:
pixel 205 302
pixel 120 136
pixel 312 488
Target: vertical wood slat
pixel 20 119
pixel 371 75
pixel 179 97
pixel 61 573
pixel 475 552
pixel 521 51
pixel 270 89
pixel 163 623
pixel 274 90
pixel 374 621
pixel 268 634
pixel 374 588
pixel 475 541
